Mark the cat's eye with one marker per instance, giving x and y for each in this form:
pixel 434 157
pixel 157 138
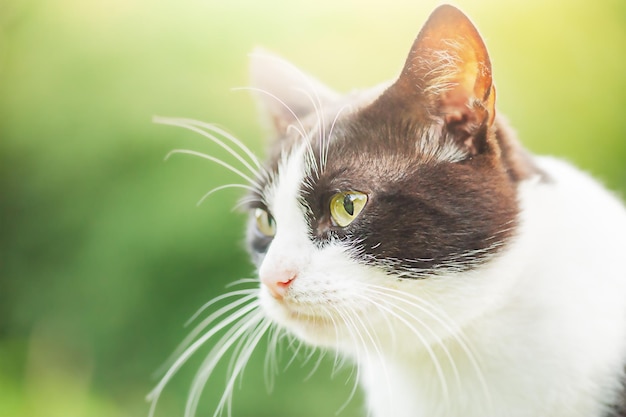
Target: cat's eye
pixel 265 222
pixel 346 206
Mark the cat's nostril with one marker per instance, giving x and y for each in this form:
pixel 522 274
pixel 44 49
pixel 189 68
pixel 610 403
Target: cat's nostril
pixel 277 284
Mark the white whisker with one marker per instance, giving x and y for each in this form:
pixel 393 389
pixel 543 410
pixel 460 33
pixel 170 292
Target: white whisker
pixel 205 323
pixel 448 325
pixel 322 355
pixel 153 396
pixel 295 352
pixel 428 349
pixel 319 126
pixel 438 341
pixel 243 281
pixel 191 125
pixel 223 187
pixel 375 341
pixel 249 293
pixel 247 201
pixel 349 325
pixel 227 135
pixel 271 357
pixel 248 321
pixel 302 130
pixel 242 360
pixel 213 159
pixel 337 362
pixel 326 140
pixel 317 103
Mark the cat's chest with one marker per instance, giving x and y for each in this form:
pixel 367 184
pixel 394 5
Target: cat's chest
pixel 450 381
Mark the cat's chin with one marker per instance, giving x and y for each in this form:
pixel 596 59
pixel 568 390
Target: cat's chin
pixel 313 326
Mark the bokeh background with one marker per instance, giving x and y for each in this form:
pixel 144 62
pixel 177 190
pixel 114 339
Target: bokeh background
pixel 103 251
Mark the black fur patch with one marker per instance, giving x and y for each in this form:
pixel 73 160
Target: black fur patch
pixel 422 215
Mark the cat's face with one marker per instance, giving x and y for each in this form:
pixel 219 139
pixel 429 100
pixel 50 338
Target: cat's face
pixel 378 208
pixel 382 220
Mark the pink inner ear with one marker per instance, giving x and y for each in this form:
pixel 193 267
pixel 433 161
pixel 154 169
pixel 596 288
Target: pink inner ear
pixel 450 64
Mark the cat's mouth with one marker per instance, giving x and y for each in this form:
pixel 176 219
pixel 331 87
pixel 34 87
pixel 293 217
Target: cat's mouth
pixel 302 312
pixel 319 323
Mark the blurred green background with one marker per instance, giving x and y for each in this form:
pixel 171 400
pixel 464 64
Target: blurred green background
pixel 103 252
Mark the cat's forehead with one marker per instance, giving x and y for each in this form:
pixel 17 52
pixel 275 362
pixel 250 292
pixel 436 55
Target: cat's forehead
pixel 357 142
pixel 320 126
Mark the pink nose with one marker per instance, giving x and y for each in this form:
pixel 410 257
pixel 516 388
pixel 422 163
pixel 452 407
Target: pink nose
pixel 278 283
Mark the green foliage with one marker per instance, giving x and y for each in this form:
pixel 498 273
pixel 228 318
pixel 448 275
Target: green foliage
pixel 103 252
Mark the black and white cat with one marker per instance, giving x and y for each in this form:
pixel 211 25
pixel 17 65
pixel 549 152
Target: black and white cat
pixel 405 228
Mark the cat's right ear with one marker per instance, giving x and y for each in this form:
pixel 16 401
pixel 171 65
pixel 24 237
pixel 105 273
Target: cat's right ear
pixel 285 93
pixel 448 72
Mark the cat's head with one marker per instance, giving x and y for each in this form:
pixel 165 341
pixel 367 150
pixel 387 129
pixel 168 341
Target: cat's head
pixel 381 206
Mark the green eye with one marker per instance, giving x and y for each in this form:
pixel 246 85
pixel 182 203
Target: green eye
pixel 265 222
pixel 344 207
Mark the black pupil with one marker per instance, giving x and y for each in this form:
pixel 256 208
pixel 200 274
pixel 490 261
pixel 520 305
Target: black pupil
pixel 348 204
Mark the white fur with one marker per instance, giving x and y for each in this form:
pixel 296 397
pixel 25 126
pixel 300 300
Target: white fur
pixel 540 330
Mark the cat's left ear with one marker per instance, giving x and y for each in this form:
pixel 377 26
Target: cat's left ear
pixel 284 92
pixel 449 71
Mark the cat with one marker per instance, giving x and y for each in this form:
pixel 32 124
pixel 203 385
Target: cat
pixel 405 228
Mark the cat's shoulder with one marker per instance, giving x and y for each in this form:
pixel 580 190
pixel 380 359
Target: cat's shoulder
pixel 565 180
